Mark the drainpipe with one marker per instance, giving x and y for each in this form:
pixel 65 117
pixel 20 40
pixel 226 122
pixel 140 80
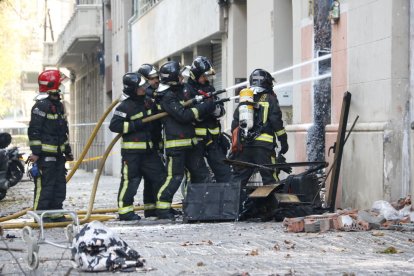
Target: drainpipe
pixel 130 21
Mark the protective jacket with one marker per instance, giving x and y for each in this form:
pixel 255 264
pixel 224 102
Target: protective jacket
pixel 208 126
pixel 48 129
pixel 179 130
pixel 127 119
pixel 268 124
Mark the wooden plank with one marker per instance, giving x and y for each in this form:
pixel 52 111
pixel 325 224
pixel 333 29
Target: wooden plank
pixel 339 146
pixel 263 191
pixel 287 198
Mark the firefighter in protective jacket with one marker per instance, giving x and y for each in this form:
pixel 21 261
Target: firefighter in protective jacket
pixel 208 129
pixel 150 73
pixel 139 156
pixel 180 139
pixel 255 141
pixel 48 138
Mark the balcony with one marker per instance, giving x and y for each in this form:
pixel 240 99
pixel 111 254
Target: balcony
pixel 82 35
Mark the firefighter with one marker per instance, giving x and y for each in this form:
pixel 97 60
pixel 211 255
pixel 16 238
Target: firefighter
pixel 48 139
pixel 208 129
pixel 139 157
pixel 257 123
pixel 150 73
pixel 180 139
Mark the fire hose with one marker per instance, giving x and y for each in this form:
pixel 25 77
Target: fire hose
pixel 90 211
pixel 78 162
pixel 101 165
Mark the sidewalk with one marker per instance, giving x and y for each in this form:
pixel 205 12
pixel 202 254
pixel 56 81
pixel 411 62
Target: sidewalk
pixel 221 248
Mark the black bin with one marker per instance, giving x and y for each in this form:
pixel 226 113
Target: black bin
pixel 211 202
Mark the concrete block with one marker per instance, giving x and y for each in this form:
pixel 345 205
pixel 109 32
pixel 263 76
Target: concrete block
pixel 316 225
pixel 370 217
pixel 330 217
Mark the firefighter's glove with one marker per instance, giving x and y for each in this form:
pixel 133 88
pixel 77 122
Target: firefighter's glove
pixel 69 157
pixel 198 99
pixel 284 146
pixel 224 143
pixel 206 107
pixel 281 160
pixel 217 111
pixel 137 124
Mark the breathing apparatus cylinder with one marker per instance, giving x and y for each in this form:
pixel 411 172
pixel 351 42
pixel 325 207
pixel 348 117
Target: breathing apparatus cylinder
pixel 246 110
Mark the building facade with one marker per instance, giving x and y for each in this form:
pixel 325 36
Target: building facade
pixel 78 48
pixel 371 57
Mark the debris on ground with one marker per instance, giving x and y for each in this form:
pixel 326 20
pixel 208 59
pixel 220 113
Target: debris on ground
pixel 382 216
pixel 188 243
pixel 254 252
pixel 378 234
pixel 98 248
pixel 389 250
pixel 10 236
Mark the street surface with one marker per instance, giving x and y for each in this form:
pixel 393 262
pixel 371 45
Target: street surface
pixel 213 248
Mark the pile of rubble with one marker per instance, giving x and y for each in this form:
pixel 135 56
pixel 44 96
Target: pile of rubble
pixel 383 215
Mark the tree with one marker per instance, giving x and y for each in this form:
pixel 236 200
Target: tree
pixel 17 30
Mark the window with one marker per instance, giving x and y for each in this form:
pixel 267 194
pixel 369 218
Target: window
pixel 145 5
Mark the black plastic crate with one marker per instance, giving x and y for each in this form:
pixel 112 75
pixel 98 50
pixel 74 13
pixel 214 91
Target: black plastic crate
pixel 305 186
pixel 211 202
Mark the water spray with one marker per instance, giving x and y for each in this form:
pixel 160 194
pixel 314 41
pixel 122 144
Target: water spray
pixel 148 119
pixel 295 66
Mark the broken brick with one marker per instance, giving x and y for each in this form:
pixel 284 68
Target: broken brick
pixel 365 225
pixel 294 225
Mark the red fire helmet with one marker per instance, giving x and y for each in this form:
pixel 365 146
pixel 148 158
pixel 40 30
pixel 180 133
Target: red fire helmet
pixel 50 80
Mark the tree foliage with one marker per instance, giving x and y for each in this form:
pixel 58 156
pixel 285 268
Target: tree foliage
pixel 16 40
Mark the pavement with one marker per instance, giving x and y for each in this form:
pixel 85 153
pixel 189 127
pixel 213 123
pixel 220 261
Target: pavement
pixel 230 248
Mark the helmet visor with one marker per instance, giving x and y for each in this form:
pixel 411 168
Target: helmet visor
pixel 210 72
pixel 63 78
pixel 62 89
pixel 162 87
pixel 185 72
pixel 143 83
pixel 153 73
pixel 258 89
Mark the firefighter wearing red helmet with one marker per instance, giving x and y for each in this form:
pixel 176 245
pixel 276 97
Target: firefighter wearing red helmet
pixel 49 142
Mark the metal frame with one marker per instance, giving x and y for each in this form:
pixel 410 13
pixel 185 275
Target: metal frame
pixel 33 243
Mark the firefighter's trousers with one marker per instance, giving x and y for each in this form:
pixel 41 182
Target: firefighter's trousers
pixel 178 160
pixel 135 166
pixel 256 155
pixel 50 185
pixel 215 157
